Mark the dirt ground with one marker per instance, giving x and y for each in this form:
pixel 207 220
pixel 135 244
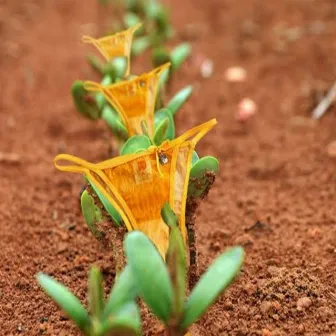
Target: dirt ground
pixel 275 193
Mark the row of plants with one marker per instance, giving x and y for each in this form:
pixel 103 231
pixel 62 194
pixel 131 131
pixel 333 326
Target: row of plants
pixel 162 286
pixel 141 203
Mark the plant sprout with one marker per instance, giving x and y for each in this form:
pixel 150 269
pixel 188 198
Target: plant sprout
pixel 162 287
pixel 118 315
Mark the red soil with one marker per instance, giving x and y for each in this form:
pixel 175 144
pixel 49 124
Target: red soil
pixel 275 193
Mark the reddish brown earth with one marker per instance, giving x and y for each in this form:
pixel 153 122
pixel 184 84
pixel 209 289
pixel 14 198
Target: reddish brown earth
pixel 276 191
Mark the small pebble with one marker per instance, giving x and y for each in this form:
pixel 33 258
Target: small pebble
pixel 9 158
pixel 246 109
pixel 20 328
pixel 266 332
pixel 303 303
pixel 235 74
pixel 207 68
pixel 265 307
pixel 331 149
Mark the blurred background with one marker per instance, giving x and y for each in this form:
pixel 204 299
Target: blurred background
pixel 275 193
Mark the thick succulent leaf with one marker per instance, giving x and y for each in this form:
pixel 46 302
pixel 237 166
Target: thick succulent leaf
pixel 114 122
pixel 176 260
pixel 116 68
pixel 179 55
pixel 161 18
pixel 176 263
pixel 96 293
pixel 198 180
pixel 148 268
pixel 91 213
pixel 125 322
pixel 135 144
pixel 123 291
pixel 160 133
pixel 160 56
pixel 152 8
pixel 96 63
pixel 140 44
pixel 66 300
pixel 130 20
pixel 219 275
pixel 161 115
pixel 179 99
pixel 107 205
pixel 168 216
pixel 195 158
pixel 84 102
pixel 163 78
pixel 100 99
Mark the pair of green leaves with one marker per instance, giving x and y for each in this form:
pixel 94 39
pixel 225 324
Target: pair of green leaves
pixel 118 315
pixel 155 15
pixel 163 287
pixel 176 57
pixel 96 107
pixel 116 68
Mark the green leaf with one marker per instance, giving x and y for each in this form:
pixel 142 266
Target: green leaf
pixel 116 68
pixel 168 216
pixel 84 102
pixel 123 291
pixel 199 180
pixel 220 274
pixel 66 300
pixel 160 16
pixel 152 278
pixel 161 115
pixel 163 78
pixel 132 19
pixel 114 122
pixel 91 213
pixel 96 63
pixel 179 99
pixel 152 8
pixel 135 144
pixel 140 44
pixel 100 99
pixel 160 133
pixel 107 205
pixel 179 55
pixel 125 322
pixel 96 293
pixel 134 6
pixel 195 158
pixel 176 262
pixel 160 56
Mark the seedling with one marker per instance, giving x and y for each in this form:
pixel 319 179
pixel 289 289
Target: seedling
pixel 176 57
pixel 96 107
pixel 202 176
pixel 118 315
pixel 163 287
pixel 155 16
